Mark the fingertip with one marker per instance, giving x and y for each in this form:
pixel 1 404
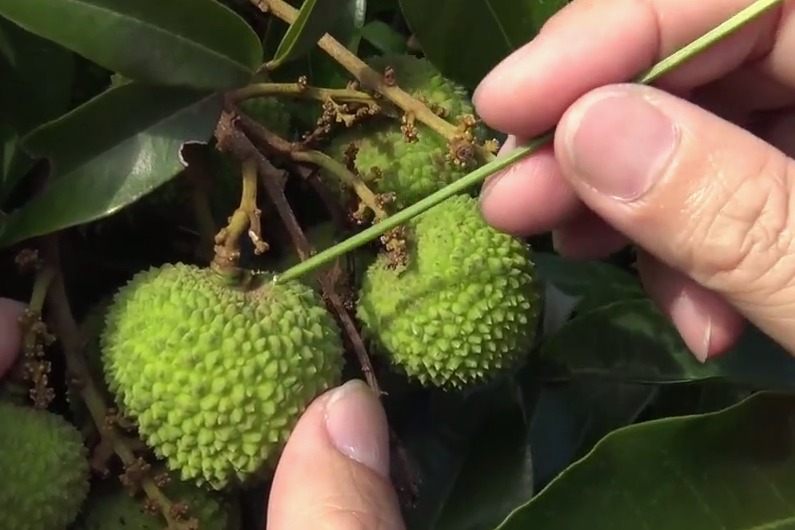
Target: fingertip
pixel 529 197
pixel 10 332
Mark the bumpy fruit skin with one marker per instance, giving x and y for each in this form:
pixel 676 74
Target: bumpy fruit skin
pixel 110 507
pixel 216 377
pixel 463 309
pixel 44 469
pixel 385 159
pixel 422 80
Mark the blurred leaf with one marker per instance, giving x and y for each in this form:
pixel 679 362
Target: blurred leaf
pixel 35 87
pixel 570 418
pixel 498 473
pixel 633 341
pixel 109 152
pixel 595 282
pixel 384 38
pixel 557 308
pixel 196 43
pixel 453 440
pixel 465 39
pixel 729 470
pixel 315 19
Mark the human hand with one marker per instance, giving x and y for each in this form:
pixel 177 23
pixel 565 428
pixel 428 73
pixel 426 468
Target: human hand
pixel 334 471
pixel 711 205
pixel 10 334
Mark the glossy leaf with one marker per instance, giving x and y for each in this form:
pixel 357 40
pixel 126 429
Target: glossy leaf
pixel 35 87
pixel 570 418
pixel 109 152
pixel 385 39
pixel 497 475
pixel 451 440
pixel 595 283
pixel 315 19
pixel 467 38
pixel 728 470
pixel 633 341
pixel 193 43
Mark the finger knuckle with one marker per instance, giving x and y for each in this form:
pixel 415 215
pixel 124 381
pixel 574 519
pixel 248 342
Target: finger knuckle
pixel 742 236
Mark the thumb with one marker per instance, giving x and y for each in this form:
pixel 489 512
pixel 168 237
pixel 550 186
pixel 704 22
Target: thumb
pixel 334 471
pixel 701 194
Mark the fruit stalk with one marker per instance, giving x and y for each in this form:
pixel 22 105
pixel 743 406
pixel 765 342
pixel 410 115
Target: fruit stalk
pixel 373 80
pixel 477 176
pixel 301 90
pixel 241 147
pixel 68 331
pixel 318 158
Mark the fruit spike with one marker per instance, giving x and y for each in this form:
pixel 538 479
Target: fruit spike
pixel 662 67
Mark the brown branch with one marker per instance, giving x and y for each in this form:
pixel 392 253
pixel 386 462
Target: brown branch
pixel 256 130
pixel 67 330
pixel 237 143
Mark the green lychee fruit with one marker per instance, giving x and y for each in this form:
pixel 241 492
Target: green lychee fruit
pixel 44 469
pixel 111 507
pixel 465 306
pixel 216 377
pixel 385 159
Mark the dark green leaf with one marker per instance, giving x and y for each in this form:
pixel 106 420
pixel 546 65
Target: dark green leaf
pixel 449 440
pixel 384 38
pixel 35 87
pixel 467 38
pixel 729 470
pixel 633 341
pixel 498 473
pixel 570 418
pixel 315 19
pixel 195 43
pixel 595 282
pixel 109 152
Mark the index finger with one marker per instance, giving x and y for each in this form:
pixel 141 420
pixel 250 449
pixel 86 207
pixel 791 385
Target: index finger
pixel 590 43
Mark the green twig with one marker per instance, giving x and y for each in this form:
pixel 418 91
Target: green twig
pixel 661 68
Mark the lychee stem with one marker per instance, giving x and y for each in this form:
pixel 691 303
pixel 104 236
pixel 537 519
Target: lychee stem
pixel 346 95
pixel 345 176
pixel 371 79
pixel 662 67
pixel 69 334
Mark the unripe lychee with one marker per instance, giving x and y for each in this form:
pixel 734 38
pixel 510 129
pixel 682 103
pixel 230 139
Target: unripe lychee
pixel 214 376
pixel 465 306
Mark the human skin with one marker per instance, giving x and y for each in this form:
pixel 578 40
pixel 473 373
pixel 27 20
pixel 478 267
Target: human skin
pixel 714 229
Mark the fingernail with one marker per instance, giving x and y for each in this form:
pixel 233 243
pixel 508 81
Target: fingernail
pixel 695 327
pixel 357 426
pixel 620 144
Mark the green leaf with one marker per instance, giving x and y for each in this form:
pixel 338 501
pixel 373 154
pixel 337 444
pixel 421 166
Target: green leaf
pixel 194 43
pixel 595 282
pixel 728 470
pixel 35 87
pixel 465 39
pixel 110 152
pixel 451 440
pixel 383 37
pixel 633 341
pixel 315 19
pixel 570 418
pixel 497 475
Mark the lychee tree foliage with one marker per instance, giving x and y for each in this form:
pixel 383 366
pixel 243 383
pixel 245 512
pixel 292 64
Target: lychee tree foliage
pixel 162 162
